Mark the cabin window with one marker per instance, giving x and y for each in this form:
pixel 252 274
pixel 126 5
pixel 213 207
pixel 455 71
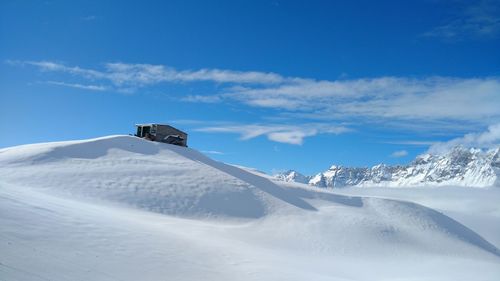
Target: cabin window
pixel 145 130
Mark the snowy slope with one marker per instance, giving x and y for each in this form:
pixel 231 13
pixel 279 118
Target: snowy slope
pixel 122 208
pixel 458 167
pixel 153 176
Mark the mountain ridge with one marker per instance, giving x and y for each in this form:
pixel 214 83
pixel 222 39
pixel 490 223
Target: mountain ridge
pixel 460 166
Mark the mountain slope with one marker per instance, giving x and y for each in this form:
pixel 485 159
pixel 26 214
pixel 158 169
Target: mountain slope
pixel 459 167
pixel 122 208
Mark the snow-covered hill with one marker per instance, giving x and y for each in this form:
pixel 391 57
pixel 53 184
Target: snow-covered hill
pixel 123 208
pixel 458 167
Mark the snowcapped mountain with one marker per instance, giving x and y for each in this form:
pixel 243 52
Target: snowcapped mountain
pixel 293 176
pixel 460 166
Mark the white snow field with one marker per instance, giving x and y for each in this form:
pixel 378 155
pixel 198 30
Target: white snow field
pixel 123 208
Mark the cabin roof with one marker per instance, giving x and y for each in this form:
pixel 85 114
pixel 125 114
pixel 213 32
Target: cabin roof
pixel 165 125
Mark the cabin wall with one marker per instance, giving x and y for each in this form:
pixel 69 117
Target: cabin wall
pixel 164 131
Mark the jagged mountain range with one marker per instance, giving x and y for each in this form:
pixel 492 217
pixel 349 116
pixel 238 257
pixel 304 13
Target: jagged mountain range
pixel 458 167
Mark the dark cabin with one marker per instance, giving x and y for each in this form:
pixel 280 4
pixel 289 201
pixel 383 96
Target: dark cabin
pixel 162 133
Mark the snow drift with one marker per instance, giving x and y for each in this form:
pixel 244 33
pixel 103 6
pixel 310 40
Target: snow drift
pixel 122 208
pixel 163 178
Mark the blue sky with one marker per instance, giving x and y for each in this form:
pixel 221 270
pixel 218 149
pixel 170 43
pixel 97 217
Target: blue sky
pixel 273 85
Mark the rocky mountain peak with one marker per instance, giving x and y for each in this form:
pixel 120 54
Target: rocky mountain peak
pixel 460 166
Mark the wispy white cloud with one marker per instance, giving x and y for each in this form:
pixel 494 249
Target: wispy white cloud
pixel 121 74
pixel 480 19
pixel 291 134
pixel 386 97
pixel 488 139
pixel 78 86
pixel 399 153
pixel 89 18
pixel 202 98
pixel 410 102
pixel 49 66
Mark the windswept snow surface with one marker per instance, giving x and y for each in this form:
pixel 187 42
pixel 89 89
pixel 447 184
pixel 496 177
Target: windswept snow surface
pixel 122 208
